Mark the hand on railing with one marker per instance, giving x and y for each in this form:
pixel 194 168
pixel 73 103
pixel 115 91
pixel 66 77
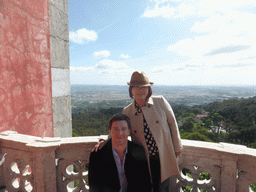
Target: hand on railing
pixel 99 145
pixel 177 154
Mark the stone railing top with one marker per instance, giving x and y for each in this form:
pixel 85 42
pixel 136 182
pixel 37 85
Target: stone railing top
pixel 21 140
pixel 221 147
pixel 33 141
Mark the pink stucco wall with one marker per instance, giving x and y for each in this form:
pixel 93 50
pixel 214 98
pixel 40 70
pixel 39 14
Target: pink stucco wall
pixel 25 68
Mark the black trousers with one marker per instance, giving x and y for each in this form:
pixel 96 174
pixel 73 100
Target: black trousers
pixel 155 171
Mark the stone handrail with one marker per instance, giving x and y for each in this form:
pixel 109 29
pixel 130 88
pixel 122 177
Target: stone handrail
pixel 59 164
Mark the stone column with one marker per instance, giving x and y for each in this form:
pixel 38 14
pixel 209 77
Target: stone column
pixel 44 170
pixel 59 41
pixel 228 175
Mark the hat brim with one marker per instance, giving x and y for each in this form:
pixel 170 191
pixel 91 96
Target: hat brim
pixel 145 84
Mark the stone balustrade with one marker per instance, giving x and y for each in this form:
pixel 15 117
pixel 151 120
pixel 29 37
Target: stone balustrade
pixel 58 164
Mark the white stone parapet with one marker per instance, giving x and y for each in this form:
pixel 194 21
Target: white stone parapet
pixel 58 164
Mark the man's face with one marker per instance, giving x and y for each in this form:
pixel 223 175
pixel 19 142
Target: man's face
pixel 119 132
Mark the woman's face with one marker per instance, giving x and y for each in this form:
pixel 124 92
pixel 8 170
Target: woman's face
pixel 140 92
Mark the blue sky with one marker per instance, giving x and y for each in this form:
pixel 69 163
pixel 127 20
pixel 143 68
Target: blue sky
pixel 176 42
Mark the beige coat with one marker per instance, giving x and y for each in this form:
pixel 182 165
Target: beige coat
pixel 163 126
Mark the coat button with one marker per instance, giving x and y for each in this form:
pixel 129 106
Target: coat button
pixel 136 113
pixel 148 105
pixel 135 131
pixel 157 121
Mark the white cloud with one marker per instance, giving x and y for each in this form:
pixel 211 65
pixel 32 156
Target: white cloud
pixel 104 66
pixel 218 23
pixel 228 49
pixel 198 8
pixel 165 11
pixel 167 68
pixel 206 71
pixel 82 35
pixel 185 10
pixel 224 35
pixel 235 65
pixel 159 1
pixel 110 65
pixel 81 69
pixel 101 54
pixel 123 56
pixel 229 30
pixel 104 72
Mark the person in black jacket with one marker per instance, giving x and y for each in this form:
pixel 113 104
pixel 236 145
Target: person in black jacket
pixel 121 165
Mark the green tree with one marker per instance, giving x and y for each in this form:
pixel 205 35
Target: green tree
pixel 198 125
pixel 196 110
pixel 188 126
pixel 208 123
pixel 195 136
pixel 228 125
pixel 217 118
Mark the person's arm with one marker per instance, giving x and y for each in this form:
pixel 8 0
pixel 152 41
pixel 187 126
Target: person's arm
pixel 99 145
pixel 173 126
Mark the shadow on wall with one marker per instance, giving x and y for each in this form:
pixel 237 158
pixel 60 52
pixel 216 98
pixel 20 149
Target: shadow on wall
pixel 2 155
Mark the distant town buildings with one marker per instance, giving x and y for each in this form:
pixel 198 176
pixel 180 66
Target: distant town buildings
pixel 198 117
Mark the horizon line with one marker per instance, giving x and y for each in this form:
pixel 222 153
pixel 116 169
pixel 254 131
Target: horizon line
pixel 228 85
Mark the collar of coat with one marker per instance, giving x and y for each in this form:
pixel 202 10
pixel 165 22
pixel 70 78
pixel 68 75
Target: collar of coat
pixel 149 103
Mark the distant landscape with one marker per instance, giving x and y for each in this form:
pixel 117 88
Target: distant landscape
pixel 185 95
pixel 214 114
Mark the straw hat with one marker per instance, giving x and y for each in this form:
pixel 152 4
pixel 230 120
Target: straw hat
pixel 140 79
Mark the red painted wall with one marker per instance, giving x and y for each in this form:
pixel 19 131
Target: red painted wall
pixel 25 67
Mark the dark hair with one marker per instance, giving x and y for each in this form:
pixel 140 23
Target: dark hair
pixel 149 92
pixel 119 117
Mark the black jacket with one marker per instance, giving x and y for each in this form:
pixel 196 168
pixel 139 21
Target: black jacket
pixel 103 174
